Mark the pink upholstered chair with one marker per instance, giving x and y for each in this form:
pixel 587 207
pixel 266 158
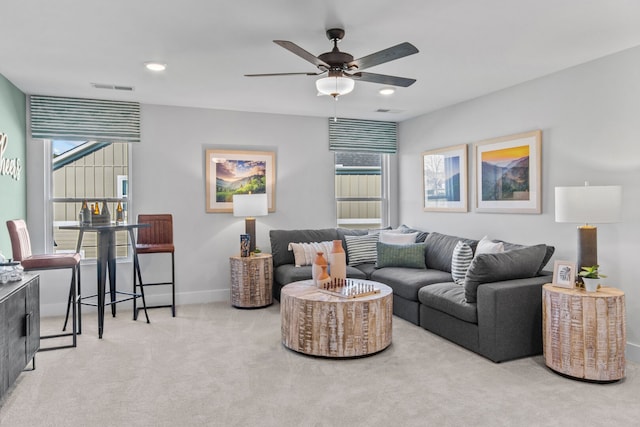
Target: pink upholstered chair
pixel 21 247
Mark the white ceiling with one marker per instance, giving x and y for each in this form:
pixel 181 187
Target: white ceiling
pixel 468 48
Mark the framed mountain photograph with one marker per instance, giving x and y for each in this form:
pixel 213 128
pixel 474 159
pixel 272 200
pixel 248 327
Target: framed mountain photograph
pixel 230 172
pixel 508 174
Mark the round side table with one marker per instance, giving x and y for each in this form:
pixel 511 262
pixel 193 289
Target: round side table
pixel 251 281
pixel 584 333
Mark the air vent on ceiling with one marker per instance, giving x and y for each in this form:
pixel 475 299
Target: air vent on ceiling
pixel 387 110
pixel 112 87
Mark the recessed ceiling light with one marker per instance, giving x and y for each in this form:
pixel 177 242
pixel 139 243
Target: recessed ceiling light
pixel 387 91
pixel 155 66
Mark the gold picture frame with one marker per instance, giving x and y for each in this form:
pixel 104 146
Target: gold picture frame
pixel 444 179
pixel 508 176
pixel 229 172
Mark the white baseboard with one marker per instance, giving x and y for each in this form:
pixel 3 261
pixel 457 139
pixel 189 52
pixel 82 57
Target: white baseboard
pixel 199 297
pixel 633 352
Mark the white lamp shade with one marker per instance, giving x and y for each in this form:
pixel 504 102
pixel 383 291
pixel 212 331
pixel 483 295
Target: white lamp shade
pixel 589 204
pixel 335 86
pixel 250 205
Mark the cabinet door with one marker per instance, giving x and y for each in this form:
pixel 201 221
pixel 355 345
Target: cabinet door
pixel 32 326
pixel 15 333
pixel 4 351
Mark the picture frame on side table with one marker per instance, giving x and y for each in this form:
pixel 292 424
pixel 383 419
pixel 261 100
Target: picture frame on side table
pixel 444 179
pixel 229 172
pixel 564 274
pixel 508 174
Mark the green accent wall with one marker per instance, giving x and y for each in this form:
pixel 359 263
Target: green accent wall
pixel 13 192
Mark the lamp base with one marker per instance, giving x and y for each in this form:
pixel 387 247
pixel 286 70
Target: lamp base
pixel 587 246
pixel 250 229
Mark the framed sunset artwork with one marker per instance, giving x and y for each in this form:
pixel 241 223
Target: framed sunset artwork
pixel 508 174
pixel 230 172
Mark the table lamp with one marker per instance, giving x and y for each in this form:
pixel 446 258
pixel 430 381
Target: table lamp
pixel 588 205
pixel 250 206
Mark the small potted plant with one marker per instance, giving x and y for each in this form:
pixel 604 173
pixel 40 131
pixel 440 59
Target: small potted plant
pixel 591 277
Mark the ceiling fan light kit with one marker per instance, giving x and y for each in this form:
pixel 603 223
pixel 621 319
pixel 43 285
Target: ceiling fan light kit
pixel 335 86
pixel 342 69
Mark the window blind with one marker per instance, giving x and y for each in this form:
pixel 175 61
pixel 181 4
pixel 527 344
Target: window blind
pixel 365 136
pixel 84 119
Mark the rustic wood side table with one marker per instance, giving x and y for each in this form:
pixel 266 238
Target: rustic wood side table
pixel 584 333
pixel 251 281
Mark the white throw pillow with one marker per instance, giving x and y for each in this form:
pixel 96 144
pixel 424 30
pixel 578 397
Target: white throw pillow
pixel 305 253
pixel 394 238
pixel 460 262
pixel 487 246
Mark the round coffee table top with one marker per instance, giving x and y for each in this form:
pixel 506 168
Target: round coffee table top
pixel 305 289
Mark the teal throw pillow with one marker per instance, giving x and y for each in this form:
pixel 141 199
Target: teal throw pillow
pixel 411 256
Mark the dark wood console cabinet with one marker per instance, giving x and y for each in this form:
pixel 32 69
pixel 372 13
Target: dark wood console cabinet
pixel 19 327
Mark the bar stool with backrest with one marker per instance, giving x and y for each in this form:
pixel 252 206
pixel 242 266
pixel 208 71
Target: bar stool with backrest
pixel 156 239
pixel 21 247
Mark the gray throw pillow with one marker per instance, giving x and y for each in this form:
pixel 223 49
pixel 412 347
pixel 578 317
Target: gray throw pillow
pixel 514 264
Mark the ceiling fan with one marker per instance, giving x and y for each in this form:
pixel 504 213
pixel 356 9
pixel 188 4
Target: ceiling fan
pixel 342 70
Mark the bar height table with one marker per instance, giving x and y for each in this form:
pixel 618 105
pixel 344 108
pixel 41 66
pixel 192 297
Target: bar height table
pixel 106 261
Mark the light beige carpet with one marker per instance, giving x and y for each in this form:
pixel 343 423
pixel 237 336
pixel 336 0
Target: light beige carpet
pixel 215 365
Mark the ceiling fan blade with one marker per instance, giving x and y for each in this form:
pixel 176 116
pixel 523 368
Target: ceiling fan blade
pixel 395 52
pixel 283 74
pixel 294 48
pixel 382 79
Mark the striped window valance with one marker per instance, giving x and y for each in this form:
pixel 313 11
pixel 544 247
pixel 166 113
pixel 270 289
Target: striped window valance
pixel 84 119
pixel 364 136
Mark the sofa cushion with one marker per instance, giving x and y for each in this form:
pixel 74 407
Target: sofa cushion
pixel 280 240
pixel 407 281
pixel 439 251
pixel 547 256
pixel 366 269
pixel 391 255
pixel 460 262
pixel 514 264
pixel 422 235
pixel 362 249
pixel 449 298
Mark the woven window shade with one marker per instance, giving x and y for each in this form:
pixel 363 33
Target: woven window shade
pixel 364 136
pixel 84 119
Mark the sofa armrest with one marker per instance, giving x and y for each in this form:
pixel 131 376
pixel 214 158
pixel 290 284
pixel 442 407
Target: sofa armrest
pixel 510 318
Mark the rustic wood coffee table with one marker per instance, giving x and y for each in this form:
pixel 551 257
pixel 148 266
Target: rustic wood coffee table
pixel 321 324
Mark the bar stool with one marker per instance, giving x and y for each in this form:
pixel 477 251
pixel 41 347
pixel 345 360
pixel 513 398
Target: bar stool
pixel 156 239
pixel 21 247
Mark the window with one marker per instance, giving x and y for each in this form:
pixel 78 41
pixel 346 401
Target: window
pixel 96 172
pixel 361 189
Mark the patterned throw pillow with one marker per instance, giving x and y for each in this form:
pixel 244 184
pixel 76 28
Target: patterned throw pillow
pixel 460 261
pixel 305 253
pixel 362 249
pixel 410 256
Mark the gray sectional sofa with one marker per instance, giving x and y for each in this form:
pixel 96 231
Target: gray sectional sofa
pixel 495 311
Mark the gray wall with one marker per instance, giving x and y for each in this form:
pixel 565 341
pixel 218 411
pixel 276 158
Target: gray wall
pixel 589 117
pixel 169 176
